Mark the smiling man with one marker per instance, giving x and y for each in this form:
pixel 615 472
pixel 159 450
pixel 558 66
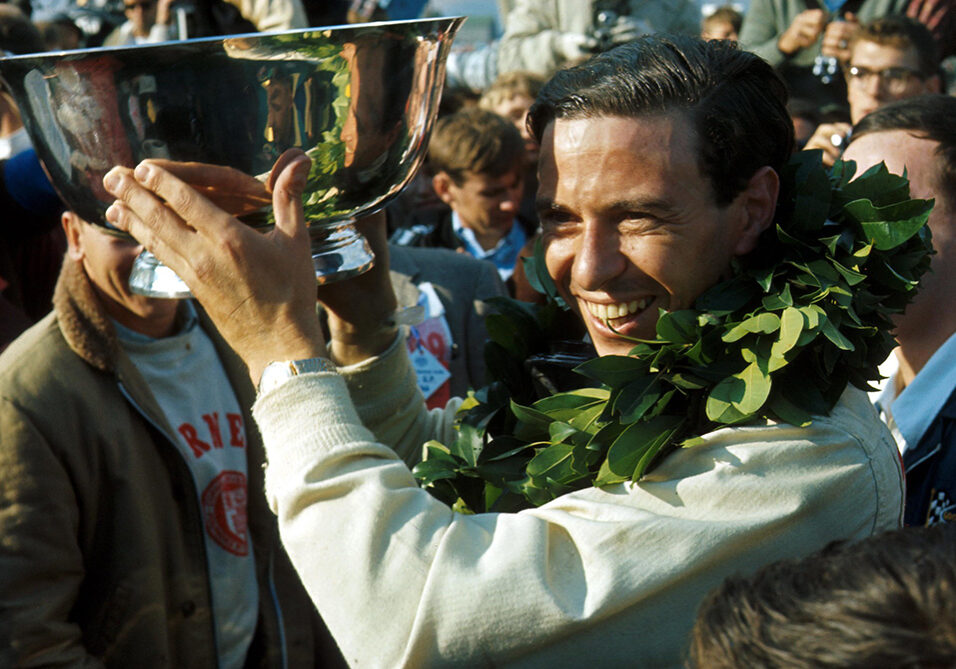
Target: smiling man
pixel 620 240
pixel 659 166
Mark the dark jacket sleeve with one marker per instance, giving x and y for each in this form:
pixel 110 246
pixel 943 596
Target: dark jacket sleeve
pixel 41 564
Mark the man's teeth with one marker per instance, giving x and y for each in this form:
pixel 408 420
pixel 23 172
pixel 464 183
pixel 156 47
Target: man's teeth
pixel 612 311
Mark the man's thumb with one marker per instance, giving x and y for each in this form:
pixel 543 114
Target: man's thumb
pixel 289 177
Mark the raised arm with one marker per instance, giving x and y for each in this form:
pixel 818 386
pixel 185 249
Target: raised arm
pixel 770 34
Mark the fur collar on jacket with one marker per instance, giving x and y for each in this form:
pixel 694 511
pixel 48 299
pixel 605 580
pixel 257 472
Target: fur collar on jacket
pixel 87 328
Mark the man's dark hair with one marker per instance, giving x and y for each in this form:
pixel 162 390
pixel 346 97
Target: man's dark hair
pixel 734 100
pixel 931 117
pixel 887 601
pixel 903 33
pixel 474 140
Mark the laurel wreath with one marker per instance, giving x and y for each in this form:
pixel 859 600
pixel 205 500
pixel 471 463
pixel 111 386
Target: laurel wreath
pixel 801 317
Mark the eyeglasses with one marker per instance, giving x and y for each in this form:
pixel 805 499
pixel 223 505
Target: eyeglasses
pixel 893 79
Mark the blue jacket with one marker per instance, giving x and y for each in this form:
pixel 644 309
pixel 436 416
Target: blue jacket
pixel 931 471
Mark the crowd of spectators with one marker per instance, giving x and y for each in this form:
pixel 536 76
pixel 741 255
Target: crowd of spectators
pixel 867 80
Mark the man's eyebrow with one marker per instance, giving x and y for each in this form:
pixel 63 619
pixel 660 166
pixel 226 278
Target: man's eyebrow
pixel 653 206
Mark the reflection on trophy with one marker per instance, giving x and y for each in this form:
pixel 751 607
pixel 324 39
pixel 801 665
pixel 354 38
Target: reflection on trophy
pixel 359 100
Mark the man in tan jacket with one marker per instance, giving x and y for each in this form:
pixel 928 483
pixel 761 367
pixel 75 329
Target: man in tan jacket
pixel 134 529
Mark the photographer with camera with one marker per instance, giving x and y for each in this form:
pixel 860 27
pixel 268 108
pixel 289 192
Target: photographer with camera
pixel 893 58
pixel 807 40
pixel 544 36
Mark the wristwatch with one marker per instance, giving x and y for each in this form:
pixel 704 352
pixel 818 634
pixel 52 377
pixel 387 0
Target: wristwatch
pixel 278 372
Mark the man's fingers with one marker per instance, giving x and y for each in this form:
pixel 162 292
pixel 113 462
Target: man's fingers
pixel 204 175
pixel 229 188
pixel 204 216
pixel 147 219
pixel 283 161
pixel 830 138
pixel 290 177
pixel 814 21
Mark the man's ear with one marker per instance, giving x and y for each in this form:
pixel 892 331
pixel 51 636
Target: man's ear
pixel 442 184
pixel 73 227
pixel 757 204
pixel 933 85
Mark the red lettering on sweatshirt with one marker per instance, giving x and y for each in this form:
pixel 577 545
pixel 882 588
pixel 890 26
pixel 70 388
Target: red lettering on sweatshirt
pixel 200 447
pixel 212 420
pixel 197 445
pixel 236 437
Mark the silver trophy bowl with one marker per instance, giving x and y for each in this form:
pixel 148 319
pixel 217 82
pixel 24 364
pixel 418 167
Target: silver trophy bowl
pixel 360 100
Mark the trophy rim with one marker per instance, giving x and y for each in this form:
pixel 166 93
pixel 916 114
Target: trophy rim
pixel 92 206
pixel 100 50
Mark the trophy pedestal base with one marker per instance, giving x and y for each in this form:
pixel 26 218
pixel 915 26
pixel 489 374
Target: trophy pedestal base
pixel 152 278
pixel 338 252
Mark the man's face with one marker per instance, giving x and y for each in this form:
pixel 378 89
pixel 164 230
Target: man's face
pixel 142 14
pixel 870 91
pixel 630 225
pixel 718 30
pixel 899 149
pixel 515 109
pixel 107 261
pixel 486 204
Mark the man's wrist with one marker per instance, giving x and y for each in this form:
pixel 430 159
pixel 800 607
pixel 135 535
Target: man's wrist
pixel 352 343
pixel 350 350
pixel 260 358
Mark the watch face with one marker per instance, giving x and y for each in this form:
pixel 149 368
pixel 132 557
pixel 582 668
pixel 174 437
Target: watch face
pixel 277 373
pixel 273 375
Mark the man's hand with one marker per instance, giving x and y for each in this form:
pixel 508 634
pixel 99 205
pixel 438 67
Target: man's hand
pixel 837 38
pixel 259 289
pixel 831 138
pixel 803 31
pixel 627 29
pixel 931 13
pixel 572 47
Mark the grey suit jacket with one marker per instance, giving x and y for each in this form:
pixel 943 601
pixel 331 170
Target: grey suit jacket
pixel 462 284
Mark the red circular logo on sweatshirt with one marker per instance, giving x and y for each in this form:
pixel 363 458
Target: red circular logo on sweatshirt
pixel 224 512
